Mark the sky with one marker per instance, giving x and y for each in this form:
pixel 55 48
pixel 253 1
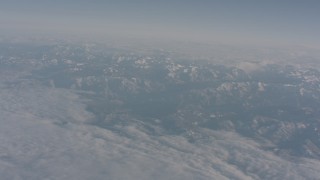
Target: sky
pixel 243 21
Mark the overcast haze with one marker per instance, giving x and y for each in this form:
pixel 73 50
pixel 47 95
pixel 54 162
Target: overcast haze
pixel 247 21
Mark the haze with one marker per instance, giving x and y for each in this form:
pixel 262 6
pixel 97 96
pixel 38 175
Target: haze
pixel 272 22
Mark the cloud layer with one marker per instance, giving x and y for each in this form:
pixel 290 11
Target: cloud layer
pixel 46 133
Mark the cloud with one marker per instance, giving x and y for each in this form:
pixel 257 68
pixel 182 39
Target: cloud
pixel 46 133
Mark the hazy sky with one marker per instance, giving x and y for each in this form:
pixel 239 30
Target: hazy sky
pixel 247 21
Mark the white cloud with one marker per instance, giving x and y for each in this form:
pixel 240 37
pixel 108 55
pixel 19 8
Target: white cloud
pixel 261 86
pixel 46 134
